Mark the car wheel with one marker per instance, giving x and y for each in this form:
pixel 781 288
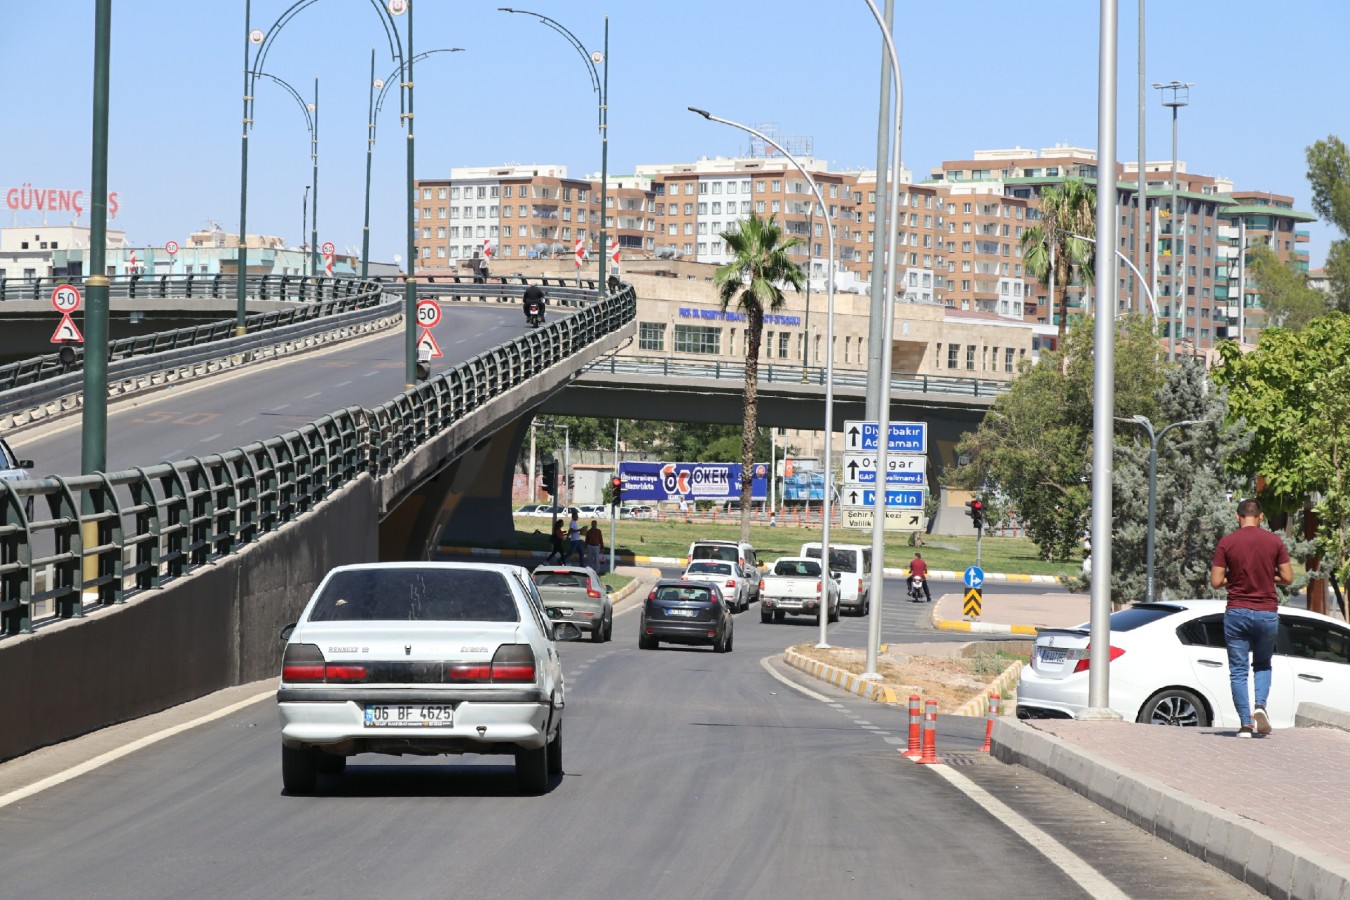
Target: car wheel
pixel 766 616
pixel 299 769
pixel 1175 706
pixel 731 640
pixel 555 753
pixel 834 616
pixel 609 630
pixel 646 643
pixel 332 764
pixel 598 633
pixel 779 615
pixel 532 770
pixel 720 644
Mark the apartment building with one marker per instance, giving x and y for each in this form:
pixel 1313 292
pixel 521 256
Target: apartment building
pixel 1256 217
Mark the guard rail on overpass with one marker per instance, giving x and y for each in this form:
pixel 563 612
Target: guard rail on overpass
pixel 102 538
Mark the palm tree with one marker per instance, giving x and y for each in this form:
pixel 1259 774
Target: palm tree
pixel 1050 250
pixel 754 279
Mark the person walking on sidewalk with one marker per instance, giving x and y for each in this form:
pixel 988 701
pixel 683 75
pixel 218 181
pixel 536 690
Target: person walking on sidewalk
pixel 556 543
pixel 1250 562
pixel 575 541
pixel 595 544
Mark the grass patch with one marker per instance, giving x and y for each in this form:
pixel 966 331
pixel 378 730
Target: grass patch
pixel 671 537
pixel 615 581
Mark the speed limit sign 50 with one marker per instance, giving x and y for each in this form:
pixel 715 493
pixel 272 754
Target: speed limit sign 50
pixel 66 299
pixel 428 313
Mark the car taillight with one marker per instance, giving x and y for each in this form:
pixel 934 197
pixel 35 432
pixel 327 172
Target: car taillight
pixel 302 663
pixel 342 672
pixel 731 582
pixel 761 584
pixel 1083 662
pixel 818 586
pixel 513 662
pixel 652 595
pixel 592 593
pixel 475 671
pixel 860 587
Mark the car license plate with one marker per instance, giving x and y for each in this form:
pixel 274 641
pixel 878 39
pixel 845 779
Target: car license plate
pixel 564 611
pixel 409 716
pixel 686 613
pixel 1053 654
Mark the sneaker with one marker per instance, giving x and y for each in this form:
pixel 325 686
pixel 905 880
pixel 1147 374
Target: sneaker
pixel 1245 731
pixel 1262 720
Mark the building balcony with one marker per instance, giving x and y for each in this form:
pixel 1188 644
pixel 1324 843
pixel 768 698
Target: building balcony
pixel 1302 237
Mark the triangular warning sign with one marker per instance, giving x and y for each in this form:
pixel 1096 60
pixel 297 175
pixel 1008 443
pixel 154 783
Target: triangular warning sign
pixel 423 340
pixel 67 332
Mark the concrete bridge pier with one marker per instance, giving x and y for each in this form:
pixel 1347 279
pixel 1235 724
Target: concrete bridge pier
pixel 463 503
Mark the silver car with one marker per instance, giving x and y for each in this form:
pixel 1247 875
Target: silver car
pixel 14 469
pixel 576 594
pixel 422 658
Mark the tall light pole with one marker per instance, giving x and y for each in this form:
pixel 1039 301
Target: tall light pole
pixel 599 84
pixel 304 219
pixel 1141 195
pixel 1153 440
pixel 887 330
pixel 1103 390
pixel 876 384
pixel 374 104
pixel 810 258
pixel 1152 303
pixel 1180 96
pixel 311 113
pixel 829 363
pixel 94 434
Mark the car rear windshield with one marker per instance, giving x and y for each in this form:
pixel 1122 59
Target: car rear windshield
pixel 1132 617
pixel 683 594
pixel 797 567
pixel 705 551
pixel 840 560
pixel 711 568
pixel 560 579
pixel 423 595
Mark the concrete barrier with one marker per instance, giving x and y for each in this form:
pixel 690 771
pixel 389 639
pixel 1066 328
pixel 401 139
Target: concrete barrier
pixel 217 628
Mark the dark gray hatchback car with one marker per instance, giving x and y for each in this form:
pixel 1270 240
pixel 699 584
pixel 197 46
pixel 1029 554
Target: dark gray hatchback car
pixel 685 612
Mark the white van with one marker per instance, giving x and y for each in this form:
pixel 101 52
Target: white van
pixel 853 562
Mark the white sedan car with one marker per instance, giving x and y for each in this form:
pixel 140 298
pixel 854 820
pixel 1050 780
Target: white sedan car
pixel 735 587
pixel 1169 666
pixel 422 658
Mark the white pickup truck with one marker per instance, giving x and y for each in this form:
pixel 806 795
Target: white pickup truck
pixel 793 586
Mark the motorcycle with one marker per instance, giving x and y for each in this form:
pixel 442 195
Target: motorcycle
pixel 916 589
pixel 534 315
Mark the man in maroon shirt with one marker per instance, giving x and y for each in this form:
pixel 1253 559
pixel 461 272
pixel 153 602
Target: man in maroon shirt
pixel 1250 562
pixel 919 568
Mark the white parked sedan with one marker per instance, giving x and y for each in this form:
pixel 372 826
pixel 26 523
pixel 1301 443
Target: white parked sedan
pixel 422 658
pixel 1169 666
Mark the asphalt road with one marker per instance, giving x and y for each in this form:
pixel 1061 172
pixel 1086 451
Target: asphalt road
pixel 688 775
pixel 211 415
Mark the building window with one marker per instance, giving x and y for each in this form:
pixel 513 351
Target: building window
pixel 783 340
pixel 651 336
pixel 697 339
pixel 970 358
pixel 953 355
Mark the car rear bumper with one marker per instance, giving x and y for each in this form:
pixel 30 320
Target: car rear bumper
pixel 680 632
pixel 791 605
pixel 478 726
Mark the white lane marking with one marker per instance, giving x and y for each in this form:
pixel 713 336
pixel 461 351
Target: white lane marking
pixel 312 396
pixel 246 421
pixel 370 374
pixel 207 440
pixel 1088 878
pixel 281 407
pixel 97 762
pixel 342 384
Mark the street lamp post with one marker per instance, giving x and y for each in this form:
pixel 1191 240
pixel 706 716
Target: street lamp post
pixel 94 434
pixel 374 105
pixel 1153 303
pixel 1153 440
pixel 829 362
pixel 311 112
pixel 1181 96
pixel 599 84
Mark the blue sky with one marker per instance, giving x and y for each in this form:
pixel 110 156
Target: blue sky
pixel 978 74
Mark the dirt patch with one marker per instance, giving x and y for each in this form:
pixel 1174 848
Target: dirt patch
pixel 951 682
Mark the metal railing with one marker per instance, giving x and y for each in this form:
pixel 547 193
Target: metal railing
pixel 777 373
pixel 217 286
pixel 153 524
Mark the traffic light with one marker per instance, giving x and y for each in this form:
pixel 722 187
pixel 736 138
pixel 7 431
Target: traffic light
pixel 976 512
pixel 616 491
pixel 550 485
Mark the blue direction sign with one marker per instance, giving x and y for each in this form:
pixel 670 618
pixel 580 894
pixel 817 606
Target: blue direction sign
pixel 897 499
pixel 905 437
pixel 974 577
pixel 893 479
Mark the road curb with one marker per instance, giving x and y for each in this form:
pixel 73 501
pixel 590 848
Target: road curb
pixel 868 690
pixel 1271 862
pixel 1005 685
pixel 988 576
pixel 979 627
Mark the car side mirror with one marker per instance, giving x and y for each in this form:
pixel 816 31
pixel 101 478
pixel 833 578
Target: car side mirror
pixel 566 631
pixel 288 631
pixel 609 589
pixel 835 575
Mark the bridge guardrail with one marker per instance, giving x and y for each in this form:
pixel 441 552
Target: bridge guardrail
pixel 770 373
pixel 152 524
pixel 217 286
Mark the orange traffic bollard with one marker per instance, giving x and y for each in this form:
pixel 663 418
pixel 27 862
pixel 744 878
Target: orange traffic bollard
pixel 915 747
pixel 929 734
pixel 989 725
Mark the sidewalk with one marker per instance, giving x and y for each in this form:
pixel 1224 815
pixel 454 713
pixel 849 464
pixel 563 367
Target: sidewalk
pixel 1272 811
pixel 1013 613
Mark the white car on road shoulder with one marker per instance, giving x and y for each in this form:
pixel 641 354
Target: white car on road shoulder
pixel 1169 666
pixel 422 658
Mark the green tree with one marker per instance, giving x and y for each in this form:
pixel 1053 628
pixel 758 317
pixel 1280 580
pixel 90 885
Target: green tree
pixel 1293 392
pixel 1285 294
pixel 1049 247
pixel 1035 443
pixel 754 281
pixel 1193 510
pixel 1329 176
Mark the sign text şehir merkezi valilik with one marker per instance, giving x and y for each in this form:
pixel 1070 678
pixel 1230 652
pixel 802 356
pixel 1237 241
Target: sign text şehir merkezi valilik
pixel 693 481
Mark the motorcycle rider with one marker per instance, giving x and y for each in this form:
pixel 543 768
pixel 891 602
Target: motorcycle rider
pixel 535 294
pixel 919 569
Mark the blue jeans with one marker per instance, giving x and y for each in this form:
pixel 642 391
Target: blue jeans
pixel 1249 632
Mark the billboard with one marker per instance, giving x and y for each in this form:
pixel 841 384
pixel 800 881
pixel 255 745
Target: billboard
pixel 693 481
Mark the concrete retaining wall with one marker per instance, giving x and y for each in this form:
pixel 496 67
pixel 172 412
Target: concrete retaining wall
pixel 217 628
